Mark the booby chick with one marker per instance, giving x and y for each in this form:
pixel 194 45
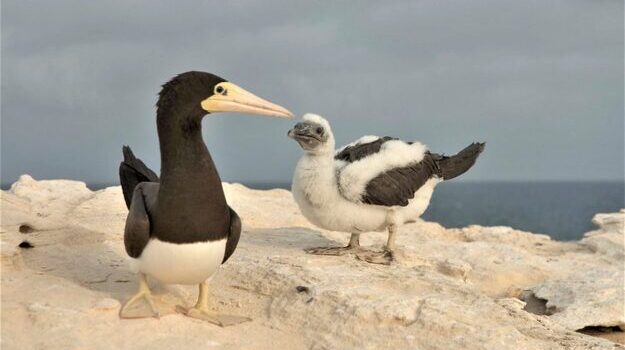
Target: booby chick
pixel 372 184
pixel 179 228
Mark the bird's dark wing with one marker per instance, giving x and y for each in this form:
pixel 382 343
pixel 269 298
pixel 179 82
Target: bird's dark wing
pixel 397 186
pixel 359 150
pixel 233 236
pixel 133 171
pixel 459 163
pixel 381 171
pixel 137 230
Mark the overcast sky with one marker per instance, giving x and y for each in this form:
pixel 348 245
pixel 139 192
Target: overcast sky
pixel 540 81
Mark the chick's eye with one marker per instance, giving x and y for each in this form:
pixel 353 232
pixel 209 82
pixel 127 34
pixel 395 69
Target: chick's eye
pixel 220 90
pixel 319 130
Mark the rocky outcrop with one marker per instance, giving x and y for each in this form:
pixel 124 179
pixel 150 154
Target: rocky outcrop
pixel 469 288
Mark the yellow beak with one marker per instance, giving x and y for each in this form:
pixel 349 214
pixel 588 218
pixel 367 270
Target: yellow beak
pixel 228 97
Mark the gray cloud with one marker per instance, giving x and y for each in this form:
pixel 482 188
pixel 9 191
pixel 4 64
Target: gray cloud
pixel 541 82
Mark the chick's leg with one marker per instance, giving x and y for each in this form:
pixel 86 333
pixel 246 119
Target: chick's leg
pixel 385 257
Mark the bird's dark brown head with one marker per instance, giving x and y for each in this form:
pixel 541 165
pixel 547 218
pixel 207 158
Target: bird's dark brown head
pixel 189 96
pixel 184 93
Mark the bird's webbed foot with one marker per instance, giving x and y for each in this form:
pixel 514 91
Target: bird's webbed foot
pixel 336 251
pixel 385 257
pixel 201 311
pixel 352 248
pixel 204 314
pixel 141 304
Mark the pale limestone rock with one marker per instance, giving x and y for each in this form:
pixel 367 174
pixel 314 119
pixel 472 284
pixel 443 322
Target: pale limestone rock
pixel 608 239
pixel 50 197
pixel 107 304
pixel 256 206
pixel 588 298
pixel 453 288
pixel 89 213
pixel 592 296
pixel 15 210
pixel 46 202
pixel 455 268
pixel 38 307
pixel 611 222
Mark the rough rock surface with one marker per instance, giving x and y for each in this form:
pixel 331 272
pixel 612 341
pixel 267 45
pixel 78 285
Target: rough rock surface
pixel 470 288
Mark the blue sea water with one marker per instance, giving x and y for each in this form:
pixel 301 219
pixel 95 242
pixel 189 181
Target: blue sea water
pixel 562 210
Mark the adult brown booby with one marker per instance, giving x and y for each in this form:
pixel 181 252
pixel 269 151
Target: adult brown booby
pixel 180 229
pixel 372 184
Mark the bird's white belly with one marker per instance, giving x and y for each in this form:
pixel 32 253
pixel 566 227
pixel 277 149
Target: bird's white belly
pixel 339 214
pixel 187 263
pixel 342 215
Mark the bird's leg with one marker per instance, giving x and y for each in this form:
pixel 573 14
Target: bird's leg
pixel 142 294
pixel 354 240
pixel 390 242
pixel 202 312
pixel 387 256
pixel 352 247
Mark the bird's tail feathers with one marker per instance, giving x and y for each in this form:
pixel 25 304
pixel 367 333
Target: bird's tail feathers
pixel 133 171
pixel 129 157
pixel 459 163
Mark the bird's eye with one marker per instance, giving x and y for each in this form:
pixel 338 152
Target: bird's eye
pixel 220 90
pixel 319 130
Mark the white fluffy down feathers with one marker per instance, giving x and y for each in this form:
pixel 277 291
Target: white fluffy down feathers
pixel 329 191
pixel 353 177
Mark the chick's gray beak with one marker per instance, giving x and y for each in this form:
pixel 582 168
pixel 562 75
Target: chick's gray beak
pixel 303 131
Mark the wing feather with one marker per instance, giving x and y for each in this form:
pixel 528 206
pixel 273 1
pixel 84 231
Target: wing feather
pixel 233 235
pixel 379 172
pixel 397 186
pixel 362 148
pixel 137 230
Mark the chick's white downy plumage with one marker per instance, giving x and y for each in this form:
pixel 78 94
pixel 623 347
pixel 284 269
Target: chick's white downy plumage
pixel 371 184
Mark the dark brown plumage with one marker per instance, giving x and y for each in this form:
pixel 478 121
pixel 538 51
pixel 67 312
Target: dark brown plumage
pixel 133 171
pixel 397 186
pixel 356 152
pixel 187 203
pixel 458 164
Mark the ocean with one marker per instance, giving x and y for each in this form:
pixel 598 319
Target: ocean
pixel 562 210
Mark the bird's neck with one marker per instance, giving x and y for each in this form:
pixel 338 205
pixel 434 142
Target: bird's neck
pixel 315 176
pixel 189 180
pixel 183 152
